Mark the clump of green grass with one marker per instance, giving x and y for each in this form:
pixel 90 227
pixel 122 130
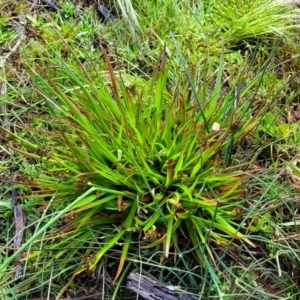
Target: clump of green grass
pixel 127 167
pixel 126 158
pixel 244 21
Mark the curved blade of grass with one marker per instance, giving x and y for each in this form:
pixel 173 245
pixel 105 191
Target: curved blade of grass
pixel 125 248
pixel 169 233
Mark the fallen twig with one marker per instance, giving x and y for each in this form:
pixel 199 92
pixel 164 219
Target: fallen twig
pixel 152 290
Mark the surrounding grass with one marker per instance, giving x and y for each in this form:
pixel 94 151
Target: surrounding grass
pixel 164 141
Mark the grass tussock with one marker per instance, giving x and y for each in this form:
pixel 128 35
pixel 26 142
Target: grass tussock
pixel 159 137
